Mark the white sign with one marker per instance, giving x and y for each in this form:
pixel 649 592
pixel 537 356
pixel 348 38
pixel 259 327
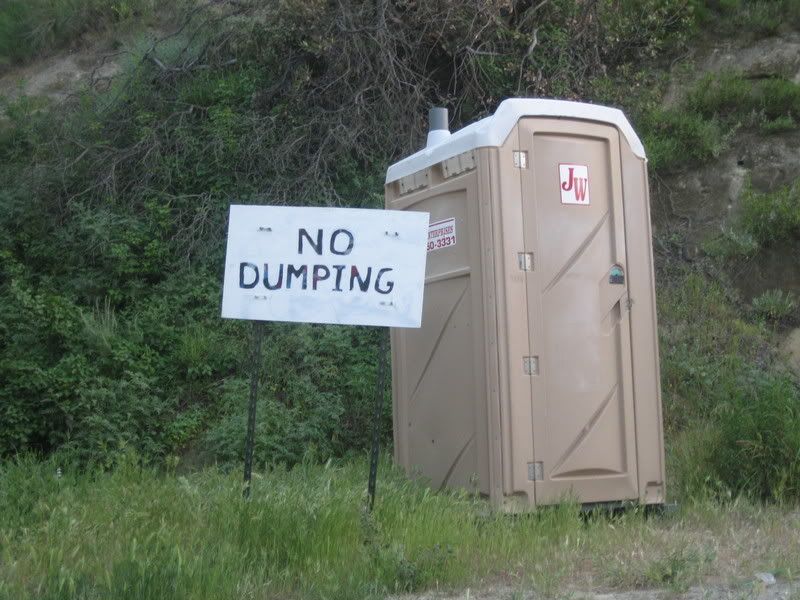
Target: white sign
pixel 441 234
pixel 574 181
pixel 325 265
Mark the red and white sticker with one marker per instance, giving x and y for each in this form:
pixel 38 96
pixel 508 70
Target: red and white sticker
pixel 442 234
pixel 574 183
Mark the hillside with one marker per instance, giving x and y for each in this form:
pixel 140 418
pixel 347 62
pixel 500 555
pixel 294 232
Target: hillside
pixel 127 129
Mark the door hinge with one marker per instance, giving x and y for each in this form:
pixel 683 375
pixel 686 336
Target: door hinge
pixel 520 159
pixel 535 471
pixel 629 303
pixel 530 365
pixel 525 261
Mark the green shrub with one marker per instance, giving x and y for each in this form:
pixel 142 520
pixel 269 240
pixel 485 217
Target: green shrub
pixel 764 218
pixel 773 216
pixel 732 243
pixel 30 27
pixel 675 138
pixel 711 111
pixel 677 569
pixel 737 100
pixel 721 95
pixel 759 18
pixel 775 305
pixel 690 475
pixel 705 343
pixel 759 438
pixel 779 124
pixel 316 401
pixel 732 415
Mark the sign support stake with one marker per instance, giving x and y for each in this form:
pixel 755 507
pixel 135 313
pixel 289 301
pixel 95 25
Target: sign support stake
pixel 255 372
pixel 376 418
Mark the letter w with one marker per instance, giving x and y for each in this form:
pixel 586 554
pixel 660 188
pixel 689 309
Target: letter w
pixel 581 185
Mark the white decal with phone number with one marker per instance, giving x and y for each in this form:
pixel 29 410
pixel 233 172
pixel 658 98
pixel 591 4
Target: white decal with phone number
pixel 442 234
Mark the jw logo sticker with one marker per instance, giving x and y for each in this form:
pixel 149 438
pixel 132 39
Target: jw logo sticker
pixel 574 183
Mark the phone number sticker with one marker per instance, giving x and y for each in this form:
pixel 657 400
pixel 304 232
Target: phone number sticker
pixel 442 234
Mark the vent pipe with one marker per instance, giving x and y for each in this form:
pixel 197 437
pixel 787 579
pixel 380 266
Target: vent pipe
pixel 438 130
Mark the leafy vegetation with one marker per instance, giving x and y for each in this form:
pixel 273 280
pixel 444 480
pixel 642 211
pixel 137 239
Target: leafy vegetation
pixel 773 216
pixel 755 18
pixel 760 437
pixel 674 138
pixel 731 409
pixel 713 109
pixel 775 305
pixel 32 27
pixel 762 220
pixel 113 221
pixel 706 343
pixel 733 97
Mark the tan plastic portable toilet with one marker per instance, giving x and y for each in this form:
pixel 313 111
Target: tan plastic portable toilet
pixel 535 375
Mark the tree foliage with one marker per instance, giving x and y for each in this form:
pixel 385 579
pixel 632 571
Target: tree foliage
pixel 114 209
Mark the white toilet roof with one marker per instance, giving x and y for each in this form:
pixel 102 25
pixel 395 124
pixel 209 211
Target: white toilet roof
pixel 493 131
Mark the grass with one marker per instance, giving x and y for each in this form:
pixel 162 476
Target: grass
pixel 775 305
pixel 734 97
pixel 732 410
pixel 753 18
pixel 713 109
pixel 138 534
pixel 32 27
pixel 771 216
pixel 763 219
pixel 705 344
pixel 674 137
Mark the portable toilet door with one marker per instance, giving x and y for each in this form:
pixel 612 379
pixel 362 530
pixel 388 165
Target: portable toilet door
pixel 578 318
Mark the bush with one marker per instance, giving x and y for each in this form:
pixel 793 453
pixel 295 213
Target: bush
pixel 772 216
pixel 113 216
pixel 704 344
pixel 775 305
pixel 733 424
pixel 759 438
pixel 72 381
pixel 711 111
pixel 779 124
pixel 675 138
pixel 764 219
pixel 113 220
pixel 723 94
pixel 732 243
pixel 736 99
pixel 30 27
pixel 316 401
pixel 759 18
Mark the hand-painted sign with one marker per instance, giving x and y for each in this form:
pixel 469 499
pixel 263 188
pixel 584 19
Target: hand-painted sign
pixel 574 181
pixel 441 234
pixel 325 265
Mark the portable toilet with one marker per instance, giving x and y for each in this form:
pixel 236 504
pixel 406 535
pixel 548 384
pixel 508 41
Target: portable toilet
pixel 535 374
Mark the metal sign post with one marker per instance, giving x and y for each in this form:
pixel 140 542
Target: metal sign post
pixel 376 419
pixel 255 373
